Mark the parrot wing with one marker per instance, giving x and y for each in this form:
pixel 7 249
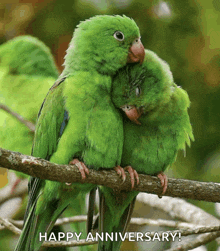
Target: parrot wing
pixel 52 121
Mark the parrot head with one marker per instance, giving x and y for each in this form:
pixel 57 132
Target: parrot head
pixel 104 43
pixel 139 89
pixel 27 55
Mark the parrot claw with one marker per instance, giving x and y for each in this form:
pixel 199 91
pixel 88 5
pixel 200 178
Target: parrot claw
pixel 120 171
pixel 163 180
pixel 81 166
pixel 133 174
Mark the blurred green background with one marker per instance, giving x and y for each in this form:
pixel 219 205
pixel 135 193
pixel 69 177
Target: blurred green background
pixel 186 34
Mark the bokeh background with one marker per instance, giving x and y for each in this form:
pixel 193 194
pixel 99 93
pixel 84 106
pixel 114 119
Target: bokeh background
pixel 186 34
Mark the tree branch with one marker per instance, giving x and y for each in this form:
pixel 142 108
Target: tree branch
pixel 69 243
pixel 20 190
pixel 60 221
pixel 178 208
pixel 200 240
pixel 151 235
pixel 207 191
pixel 185 232
pixel 135 221
pixel 29 124
pixel 176 188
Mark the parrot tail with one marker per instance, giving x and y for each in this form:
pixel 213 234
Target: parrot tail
pixel 107 224
pixel 91 208
pixel 23 239
pixel 39 224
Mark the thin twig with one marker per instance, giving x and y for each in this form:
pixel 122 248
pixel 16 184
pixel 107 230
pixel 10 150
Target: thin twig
pixel 136 236
pixel 185 211
pixel 29 124
pixel 134 221
pixel 162 223
pixel 20 190
pixel 179 209
pixel 196 242
pixel 61 221
pixel 69 243
pixel 159 235
pixel 10 226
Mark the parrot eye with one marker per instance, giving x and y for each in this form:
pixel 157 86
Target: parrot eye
pixel 137 91
pixel 119 36
pixel 126 107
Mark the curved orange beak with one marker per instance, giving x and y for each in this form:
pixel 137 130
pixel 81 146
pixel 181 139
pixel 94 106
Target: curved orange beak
pixel 132 113
pixel 136 52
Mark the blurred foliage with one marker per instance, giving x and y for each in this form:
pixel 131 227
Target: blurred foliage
pixel 186 34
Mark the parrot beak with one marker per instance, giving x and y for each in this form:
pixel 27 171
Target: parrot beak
pixel 132 113
pixel 136 52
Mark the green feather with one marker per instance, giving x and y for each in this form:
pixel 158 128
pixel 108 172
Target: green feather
pixel 94 48
pixel 152 146
pixel 27 72
pixel 165 126
pixel 94 130
pixel 33 57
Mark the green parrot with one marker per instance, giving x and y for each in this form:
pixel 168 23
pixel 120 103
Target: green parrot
pixel 28 68
pixel 27 71
pixel 78 123
pixel 156 125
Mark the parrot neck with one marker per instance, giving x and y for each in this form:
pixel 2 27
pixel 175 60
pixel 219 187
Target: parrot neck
pixel 87 60
pixel 77 65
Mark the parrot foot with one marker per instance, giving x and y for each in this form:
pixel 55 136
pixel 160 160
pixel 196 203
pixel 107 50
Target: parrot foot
pixel 81 166
pixel 133 174
pixel 120 171
pixel 163 180
pixel 15 185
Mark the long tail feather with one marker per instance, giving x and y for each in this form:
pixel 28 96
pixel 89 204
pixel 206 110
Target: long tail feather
pixel 114 218
pixel 91 208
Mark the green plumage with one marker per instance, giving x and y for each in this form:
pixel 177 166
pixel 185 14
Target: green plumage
pixel 27 71
pixel 165 126
pixel 78 119
pixel 152 146
pixel 94 48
